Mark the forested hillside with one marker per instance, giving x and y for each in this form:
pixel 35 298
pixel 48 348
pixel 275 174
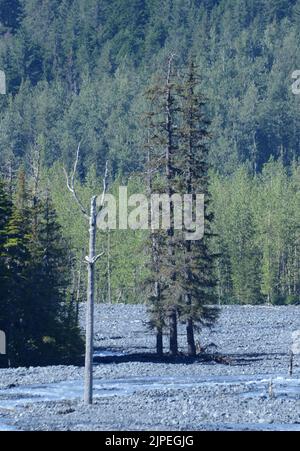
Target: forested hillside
pixel 78 71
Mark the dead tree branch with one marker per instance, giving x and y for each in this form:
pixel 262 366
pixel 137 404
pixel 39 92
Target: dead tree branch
pixel 71 184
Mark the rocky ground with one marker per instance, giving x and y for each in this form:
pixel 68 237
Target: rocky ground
pixel 245 386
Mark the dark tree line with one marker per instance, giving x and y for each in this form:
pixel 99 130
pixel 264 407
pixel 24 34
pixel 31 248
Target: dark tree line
pixel 40 325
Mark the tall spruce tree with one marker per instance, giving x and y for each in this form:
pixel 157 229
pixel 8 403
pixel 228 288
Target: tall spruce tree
pixel 55 334
pixel 17 258
pixel 163 98
pixel 195 259
pixel 178 140
pixel 34 276
pixel 5 212
pixel 156 280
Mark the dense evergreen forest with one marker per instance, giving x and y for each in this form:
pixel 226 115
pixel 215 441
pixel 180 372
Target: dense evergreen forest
pixel 79 71
pixel 39 320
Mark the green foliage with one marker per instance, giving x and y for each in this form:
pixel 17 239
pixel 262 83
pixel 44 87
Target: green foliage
pixel 40 328
pixel 87 78
pixel 257 227
pixel 78 70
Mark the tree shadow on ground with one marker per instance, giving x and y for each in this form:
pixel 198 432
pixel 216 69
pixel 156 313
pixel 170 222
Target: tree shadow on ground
pixel 237 359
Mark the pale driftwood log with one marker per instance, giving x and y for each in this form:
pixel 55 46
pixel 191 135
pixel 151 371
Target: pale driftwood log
pixel 91 260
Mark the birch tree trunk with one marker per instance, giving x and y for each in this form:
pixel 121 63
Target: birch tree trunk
pixel 88 378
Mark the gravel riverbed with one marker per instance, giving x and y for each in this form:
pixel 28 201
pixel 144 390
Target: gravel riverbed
pixel 250 390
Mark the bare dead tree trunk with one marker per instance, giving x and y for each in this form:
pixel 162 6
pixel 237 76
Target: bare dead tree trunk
pixel 35 163
pixel 91 260
pixel 89 345
pixel 10 178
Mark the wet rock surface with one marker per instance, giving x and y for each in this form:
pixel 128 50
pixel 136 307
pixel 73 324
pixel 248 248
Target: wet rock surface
pixel 252 390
